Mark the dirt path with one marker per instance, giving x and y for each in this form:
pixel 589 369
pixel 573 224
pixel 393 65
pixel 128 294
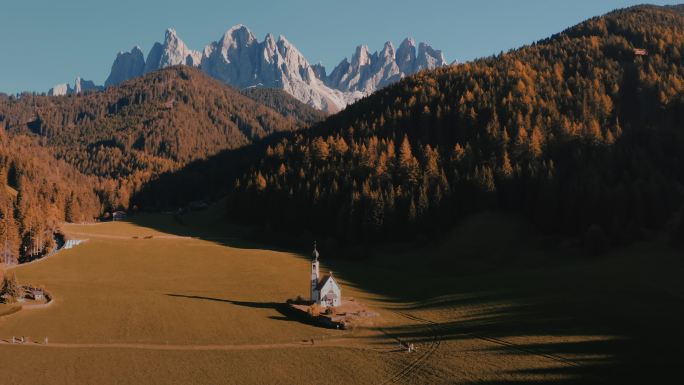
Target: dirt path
pixel 128 237
pixel 337 342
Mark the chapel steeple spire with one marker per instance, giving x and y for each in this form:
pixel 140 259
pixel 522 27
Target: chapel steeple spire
pixel 314 254
pixel 315 275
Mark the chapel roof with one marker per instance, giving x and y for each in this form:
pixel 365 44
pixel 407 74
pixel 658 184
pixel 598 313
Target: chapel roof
pixel 325 280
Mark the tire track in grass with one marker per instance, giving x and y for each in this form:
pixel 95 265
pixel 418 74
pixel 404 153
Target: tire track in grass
pixel 513 346
pixel 435 341
pixel 438 334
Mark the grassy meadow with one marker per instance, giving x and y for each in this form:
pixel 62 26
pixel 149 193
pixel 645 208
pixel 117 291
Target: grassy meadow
pixel 153 301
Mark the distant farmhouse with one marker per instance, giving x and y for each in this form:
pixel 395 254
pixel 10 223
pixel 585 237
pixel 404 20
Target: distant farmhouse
pixel 35 294
pixel 324 292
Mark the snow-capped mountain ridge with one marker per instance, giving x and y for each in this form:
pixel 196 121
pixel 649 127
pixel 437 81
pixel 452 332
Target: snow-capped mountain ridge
pixel 238 58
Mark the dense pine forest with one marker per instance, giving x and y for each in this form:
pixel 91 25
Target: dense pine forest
pixel 37 192
pixel 580 132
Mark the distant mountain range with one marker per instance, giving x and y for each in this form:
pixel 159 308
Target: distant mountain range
pixel 80 85
pixel 238 58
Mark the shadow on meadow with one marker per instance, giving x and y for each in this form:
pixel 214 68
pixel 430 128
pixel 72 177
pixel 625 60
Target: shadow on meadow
pixel 582 341
pixel 285 311
pixel 598 318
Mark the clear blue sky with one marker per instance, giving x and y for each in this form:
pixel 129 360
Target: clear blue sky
pixel 45 42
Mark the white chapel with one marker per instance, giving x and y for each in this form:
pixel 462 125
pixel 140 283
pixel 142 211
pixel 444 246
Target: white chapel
pixel 325 292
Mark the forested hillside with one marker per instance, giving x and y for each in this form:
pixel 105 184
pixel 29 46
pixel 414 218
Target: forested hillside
pixel 37 192
pixel 580 132
pixel 285 104
pixel 127 135
pixel 109 144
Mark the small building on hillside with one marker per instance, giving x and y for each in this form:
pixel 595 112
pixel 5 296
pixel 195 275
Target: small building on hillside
pixel 640 52
pixel 37 294
pixel 118 215
pixel 325 291
pixel 72 242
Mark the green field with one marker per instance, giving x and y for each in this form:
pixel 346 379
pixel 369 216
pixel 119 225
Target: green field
pixel 200 305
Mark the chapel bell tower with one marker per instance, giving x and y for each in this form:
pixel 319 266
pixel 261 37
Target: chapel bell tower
pixel 315 275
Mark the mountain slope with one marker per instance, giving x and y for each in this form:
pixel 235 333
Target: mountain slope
pixel 120 139
pixel 37 192
pixel 285 104
pixel 155 123
pixel 578 131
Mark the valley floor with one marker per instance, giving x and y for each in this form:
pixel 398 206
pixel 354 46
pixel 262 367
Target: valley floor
pixel 155 302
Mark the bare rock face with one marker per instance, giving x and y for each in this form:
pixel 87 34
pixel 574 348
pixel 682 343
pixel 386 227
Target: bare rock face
pixel 428 58
pixel 368 72
pixel 233 58
pixel 300 80
pixel 126 65
pixel 60 90
pixel 406 56
pixel 80 85
pixel 238 58
pixel 172 52
pixel 319 70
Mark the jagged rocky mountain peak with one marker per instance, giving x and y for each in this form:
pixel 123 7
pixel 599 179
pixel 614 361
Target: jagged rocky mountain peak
pixel 80 86
pixel 388 50
pixel 126 65
pixel 172 52
pixel 361 57
pixel 238 35
pixel 429 57
pixel 407 43
pixel 367 72
pixel 238 58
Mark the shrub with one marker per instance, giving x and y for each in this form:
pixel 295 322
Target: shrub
pixel 315 310
pixel 10 289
